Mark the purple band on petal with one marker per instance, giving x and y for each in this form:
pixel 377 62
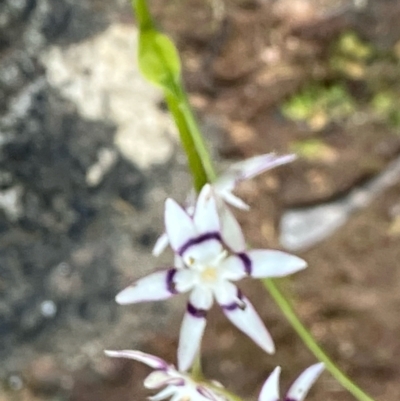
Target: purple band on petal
pixel 175 381
pixel 201 391
pixel 170 281
pixel 195 312
pixel 290 399
pixel 206 393
pixel 246 262
pixel 234 305
pixel 199 240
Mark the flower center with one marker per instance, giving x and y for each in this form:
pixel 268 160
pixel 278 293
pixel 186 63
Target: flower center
pixel 209 274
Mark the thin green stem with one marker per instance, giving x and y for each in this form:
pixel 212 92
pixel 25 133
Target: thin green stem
pixel 142 14
pixel 197 371
pixel 195 163
pixel 197 136
pixel 200 162
pixel 310 342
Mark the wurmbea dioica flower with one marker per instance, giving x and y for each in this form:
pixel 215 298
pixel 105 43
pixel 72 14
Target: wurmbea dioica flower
pixel 172 384
pixel 297 391
pixel 227 182
pixel 245 170
pixel 208 261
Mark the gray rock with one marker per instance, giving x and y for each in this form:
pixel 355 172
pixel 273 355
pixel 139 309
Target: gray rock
pixel 302 228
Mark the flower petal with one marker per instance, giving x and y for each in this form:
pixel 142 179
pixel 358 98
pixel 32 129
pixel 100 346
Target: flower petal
pixel 273 263
pixel 208 394
pixel 184 395
pixel 232 268
pixel 201 298
pixel 207 243
pixel 160 245
pixel 231 232
pixel 178 224
pixel 179 397
pixel 161 378
pixel 256 165
pixel 163 394
pixel 270 389
pixel 299 389
pixel 246 319
pixel 227 294
pixel 154 287
pixel 192 329
pixel 233 200
pixel 205 216
pixel 184 280
pixel 148 359
pixel 203 249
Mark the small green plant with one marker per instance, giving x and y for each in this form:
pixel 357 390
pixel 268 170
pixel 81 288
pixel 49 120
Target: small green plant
pixel 317 105
pixel 386 106
pixel 313 149
pixel 350 56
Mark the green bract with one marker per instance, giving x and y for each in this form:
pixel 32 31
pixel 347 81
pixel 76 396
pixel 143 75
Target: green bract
pixel 158 59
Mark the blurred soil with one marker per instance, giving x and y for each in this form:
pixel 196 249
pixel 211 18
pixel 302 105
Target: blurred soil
pixel 252 68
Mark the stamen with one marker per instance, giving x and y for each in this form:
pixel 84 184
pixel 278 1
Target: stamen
pixel 221 256
pixel 241 304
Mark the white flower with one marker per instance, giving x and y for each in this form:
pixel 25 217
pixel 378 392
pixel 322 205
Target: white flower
pixel 297 391
pixel 207 263
pixel 227 182
pixel 246 170
pixel 172 384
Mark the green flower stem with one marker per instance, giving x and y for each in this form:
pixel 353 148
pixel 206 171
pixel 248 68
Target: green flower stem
pixel 199 159
pixel 143 15
pixel 310 342
pixel 186 135
pixel 197 136
pixel 197 371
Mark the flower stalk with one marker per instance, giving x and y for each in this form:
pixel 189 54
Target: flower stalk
pixel 160 64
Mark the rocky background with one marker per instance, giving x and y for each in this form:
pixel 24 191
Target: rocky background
pixel 88 154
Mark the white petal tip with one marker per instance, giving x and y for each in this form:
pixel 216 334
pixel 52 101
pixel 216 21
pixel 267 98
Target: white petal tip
pixel 169 201
pixel 160 245
pixel 113 354
pixel 302 264
pixel 123 297
pixel 156 252
pixel 316 369
pixel 270 349
pixel 267 345
pixel 301 386
pixel 148 359
pixel 270 389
